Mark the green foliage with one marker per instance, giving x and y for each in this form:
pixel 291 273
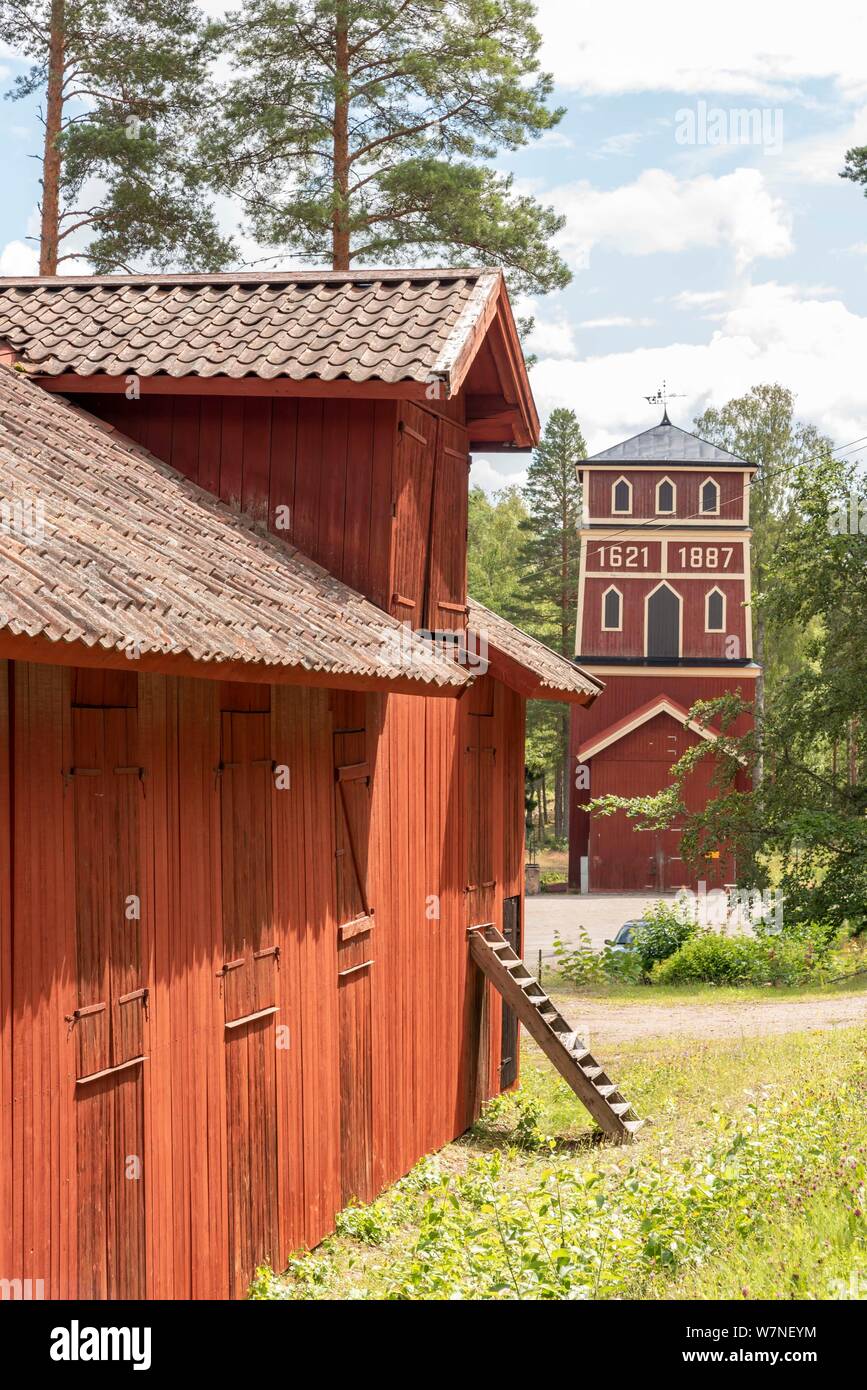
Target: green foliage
pixel 737 960
pixel 569 1231
pixel 855 166
pixel 514 1118
pixel 581 965
pixel 551 546
pixel 665 930
pixel 366 1224
pixel 362 130
pixel 134 84
pixel 494 536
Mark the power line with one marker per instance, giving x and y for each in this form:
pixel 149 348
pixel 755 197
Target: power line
pixel 666 523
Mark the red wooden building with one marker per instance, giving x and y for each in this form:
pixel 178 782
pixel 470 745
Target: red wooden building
pixel 246 812
pixel 664 620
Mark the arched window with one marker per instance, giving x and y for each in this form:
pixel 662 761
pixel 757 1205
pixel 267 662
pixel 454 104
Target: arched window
pixel 714 611
pixel 663 623
pixel 665 495
pixel 710 497
pixel 612 610
pixel 621 496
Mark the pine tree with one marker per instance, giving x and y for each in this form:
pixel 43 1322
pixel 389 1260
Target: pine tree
pixel 123 90
pixel 359 130
pixel 550 557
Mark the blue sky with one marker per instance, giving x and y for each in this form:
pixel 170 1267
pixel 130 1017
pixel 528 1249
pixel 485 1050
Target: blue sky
pixel 698 257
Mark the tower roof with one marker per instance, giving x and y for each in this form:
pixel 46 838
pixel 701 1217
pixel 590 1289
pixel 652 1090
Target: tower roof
pixel 667 443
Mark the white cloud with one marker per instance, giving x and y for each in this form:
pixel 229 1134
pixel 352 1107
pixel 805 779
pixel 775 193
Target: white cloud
pixel 659 212
pixel 765 49
pixel 17 258
pixel 551 337
pixel 770 332
pixel 617 321
pixel 619 144
pixel 818 158
pixel 499 471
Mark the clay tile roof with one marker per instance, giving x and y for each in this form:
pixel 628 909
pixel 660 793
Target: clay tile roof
pixel 103 544
pixel 552 675
pixel 386 326
pixel 666 443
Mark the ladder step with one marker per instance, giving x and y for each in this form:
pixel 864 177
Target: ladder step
pixel 633 1126
pixel 606 1091
pixel 621 1107
pixel 538 998
pixel 498 945
pixel 549 1014
pixel 592 1072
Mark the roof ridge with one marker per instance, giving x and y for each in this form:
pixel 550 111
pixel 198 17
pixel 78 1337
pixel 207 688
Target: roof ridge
pixel 228 277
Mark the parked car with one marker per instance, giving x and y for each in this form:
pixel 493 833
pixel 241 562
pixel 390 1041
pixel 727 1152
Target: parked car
pixel 625 938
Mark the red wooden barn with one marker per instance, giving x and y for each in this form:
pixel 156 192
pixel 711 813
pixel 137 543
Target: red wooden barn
pixel 246 813
pixel 664 620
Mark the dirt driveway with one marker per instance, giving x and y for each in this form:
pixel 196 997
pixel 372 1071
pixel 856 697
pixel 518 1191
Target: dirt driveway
pixel 620 1023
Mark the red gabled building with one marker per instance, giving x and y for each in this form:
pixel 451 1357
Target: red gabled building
pixel 664 620
pixel 247 813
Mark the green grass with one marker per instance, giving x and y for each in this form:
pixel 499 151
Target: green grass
pixel 651 996
pixel 749 1176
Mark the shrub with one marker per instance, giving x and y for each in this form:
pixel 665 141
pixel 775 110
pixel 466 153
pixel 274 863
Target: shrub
pixel 740 960
pixel 580 964
pixel 665 931
pixel 717 960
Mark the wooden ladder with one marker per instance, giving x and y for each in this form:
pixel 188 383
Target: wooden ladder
pixel 557 1039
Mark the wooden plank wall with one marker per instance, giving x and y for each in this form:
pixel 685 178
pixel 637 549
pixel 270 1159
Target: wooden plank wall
pixel 429 1008
pixel 317 472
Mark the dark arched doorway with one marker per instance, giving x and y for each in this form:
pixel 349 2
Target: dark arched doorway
pixel 663 623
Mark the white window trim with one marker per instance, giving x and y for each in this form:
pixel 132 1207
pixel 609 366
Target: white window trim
pixel 614 486
pixel 702 486
pixel 671 511
pixel 707 627
pixel 664 584
pixel 612 588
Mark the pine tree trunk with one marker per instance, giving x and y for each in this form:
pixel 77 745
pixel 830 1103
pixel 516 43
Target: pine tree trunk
pixel 49 235
pixel 340 242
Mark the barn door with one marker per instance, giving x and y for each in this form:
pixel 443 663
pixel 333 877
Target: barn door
pixel 355 959
pixel 509 1038
pixel 411 513
pixel 248 979
pixel 108 1022
pixel 480 764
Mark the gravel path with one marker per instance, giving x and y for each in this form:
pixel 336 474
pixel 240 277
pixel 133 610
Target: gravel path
pixel 632 1022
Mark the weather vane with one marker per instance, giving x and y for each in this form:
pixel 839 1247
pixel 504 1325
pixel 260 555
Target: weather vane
pixel 662 397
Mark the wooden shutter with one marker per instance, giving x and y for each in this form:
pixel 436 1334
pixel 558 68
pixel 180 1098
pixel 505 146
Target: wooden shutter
pixel 108 791
pixel 411 513
pixel 108 1022
pixel 447 561
pixel 479 789
pixel 351 814
pixel 250 955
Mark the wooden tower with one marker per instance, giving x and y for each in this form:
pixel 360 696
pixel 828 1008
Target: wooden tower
pixel 663 619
